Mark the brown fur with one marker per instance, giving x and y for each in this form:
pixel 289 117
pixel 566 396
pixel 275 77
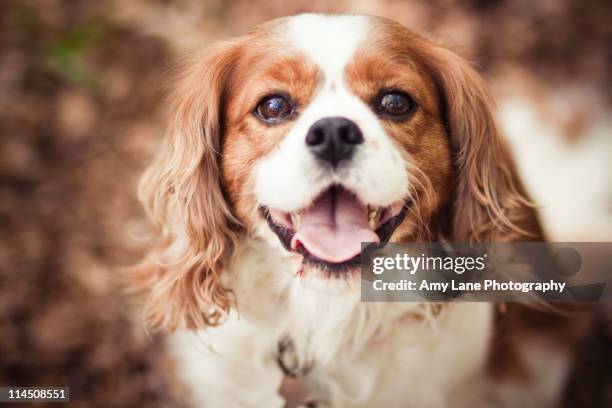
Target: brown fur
pixel 488 203
pixel 190 192
pixel 247 139
pixel 183 196
pixel 422 139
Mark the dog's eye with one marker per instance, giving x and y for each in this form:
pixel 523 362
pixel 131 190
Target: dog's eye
pixel 395 104
pixel 273 108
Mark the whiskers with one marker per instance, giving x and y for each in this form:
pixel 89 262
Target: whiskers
pixel 420 196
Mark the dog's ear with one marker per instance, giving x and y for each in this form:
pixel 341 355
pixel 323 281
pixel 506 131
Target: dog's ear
pixel 489 203
pixel 182 194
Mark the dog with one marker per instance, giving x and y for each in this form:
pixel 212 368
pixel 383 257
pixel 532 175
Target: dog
pixel 286 149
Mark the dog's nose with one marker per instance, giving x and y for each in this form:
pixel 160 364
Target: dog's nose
pixel 333 139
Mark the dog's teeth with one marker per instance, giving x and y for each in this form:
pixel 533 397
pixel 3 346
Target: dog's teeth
pixel 373 213
pixel 373 216
pixel 295 219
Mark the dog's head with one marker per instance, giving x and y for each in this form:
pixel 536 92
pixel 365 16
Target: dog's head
pixel 322 132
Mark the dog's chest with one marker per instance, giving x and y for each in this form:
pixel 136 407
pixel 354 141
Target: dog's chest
pixel 382 354
pixel 356 353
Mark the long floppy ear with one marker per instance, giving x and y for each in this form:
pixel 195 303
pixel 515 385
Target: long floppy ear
pixel 489 202
pixel 181 192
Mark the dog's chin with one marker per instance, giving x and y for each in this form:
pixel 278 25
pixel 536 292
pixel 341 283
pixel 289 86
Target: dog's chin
pixel 324 281
pixel 329 232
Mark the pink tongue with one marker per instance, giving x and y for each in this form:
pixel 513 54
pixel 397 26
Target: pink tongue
pixel 334 226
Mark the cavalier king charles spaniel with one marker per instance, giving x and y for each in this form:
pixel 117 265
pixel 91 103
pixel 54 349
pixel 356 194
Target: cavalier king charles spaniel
pixel 286 149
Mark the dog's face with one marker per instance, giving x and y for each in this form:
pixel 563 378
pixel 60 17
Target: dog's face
pixel 323 132
pixel 332 138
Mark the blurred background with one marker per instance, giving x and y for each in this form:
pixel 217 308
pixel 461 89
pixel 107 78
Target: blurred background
pixel 82 112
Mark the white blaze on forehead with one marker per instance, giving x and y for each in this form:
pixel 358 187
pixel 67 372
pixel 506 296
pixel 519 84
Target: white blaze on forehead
pixel 329 41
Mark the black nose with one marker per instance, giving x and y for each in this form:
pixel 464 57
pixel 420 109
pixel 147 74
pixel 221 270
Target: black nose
pixel 333 139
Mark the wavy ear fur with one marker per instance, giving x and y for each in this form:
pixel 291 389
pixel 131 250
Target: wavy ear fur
pixel 489 203
pixel 182 194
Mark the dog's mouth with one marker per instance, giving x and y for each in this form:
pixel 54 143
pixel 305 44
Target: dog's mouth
pixel 329 232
